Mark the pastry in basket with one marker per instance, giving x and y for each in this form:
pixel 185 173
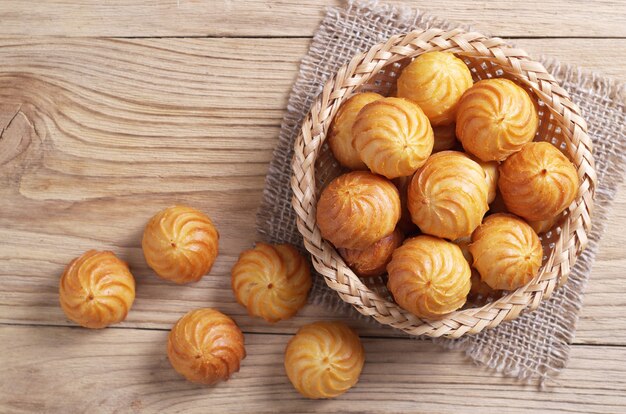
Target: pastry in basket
pixel 96 289
pixel 205 346
pixel 445 138
pixel 507 252
pixel 393 137
pixel 180 244
pixel 340 135
pixel 373 260
pixel 447 197
pixel 491 173
pixel 543 226
pixel 435 81
pixel 429 276
pixel 357 209
pixel 495 118
pixel 271 281
pixel 405 224
pixel 324 359
pixel 539 182
pixel 478 287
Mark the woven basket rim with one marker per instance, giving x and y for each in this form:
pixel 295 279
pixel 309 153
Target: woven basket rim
pixel 357 72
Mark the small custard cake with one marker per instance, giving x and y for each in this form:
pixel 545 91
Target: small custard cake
pixel 435 81
pixel 324 359
pixel 373 260
pixel 271 281
pixel 340 135
pixel 495 118
pixel 429 277
pixel 478 288
pixel 507 252
pixel 96 289
pixel 393 137
pixel 539 182
pixel 357 209
pixel 180 244
pixel 448 196
pixel 491 174
pixel 205 346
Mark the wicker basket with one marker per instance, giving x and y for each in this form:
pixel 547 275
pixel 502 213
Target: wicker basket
pixel 377 70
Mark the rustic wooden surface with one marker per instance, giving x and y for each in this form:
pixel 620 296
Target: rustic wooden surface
pixel 112 110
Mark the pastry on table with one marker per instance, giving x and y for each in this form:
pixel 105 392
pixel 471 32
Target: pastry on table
pixel 96 289
pixel 495 118
pixel 324 359
pixel 393 137
pixel 180 244
pixel 271 281
pixel 538 182
pixel 507 252
pixel 429 277
pixel 357 209
pixel 445 138
pixel 340 134
pixel 372 261
pixel 435 81
pixel 205 346
pixel 447 197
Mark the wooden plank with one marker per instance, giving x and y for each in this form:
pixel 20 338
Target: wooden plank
pixel 60 370
pixel 150 18
pixel 99 134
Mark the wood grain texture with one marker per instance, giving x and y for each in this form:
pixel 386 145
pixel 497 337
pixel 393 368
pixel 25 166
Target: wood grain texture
pixel 294 18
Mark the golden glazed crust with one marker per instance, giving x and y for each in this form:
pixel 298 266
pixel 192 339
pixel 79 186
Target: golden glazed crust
pixel 492 174
pixel 448 195
pixel 478 287
pixel 357 209
pixel 96 289
pixel 373 260
pixel 271 281
pixel 393 137
pixel 435 81
pixel 405 224
pixel 445 138
pixel 495 118
pixel 507 252
pixel 180 244
pixel 324 359
pixel 429 276
pixel 205 346
pixel 539 182
pixel 543 226
pixel 340 135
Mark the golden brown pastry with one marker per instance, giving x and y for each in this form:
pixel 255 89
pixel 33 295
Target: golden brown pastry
pixel 506 251
pixel 405 224
pixel 324 359
pixel 205 346
pixel 491 174
pixel 271 281
pixel 478 287
pixel 448 195
pixel 539 182
pixel 357 209
pixel 393 137
pixel 180 244
pixel 429 276
pixel 373 260
pixel 445 138
pixel 543 226
pixel 435 81
pixel 495 118
pixel 340 135
pixel 96 289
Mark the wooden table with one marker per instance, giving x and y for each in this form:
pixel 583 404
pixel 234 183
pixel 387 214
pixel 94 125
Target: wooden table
pixel 112 110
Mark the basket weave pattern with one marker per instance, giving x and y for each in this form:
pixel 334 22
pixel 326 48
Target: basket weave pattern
pixel 377 70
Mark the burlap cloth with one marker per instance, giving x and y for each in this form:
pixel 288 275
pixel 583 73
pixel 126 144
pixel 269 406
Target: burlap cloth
pixel 536 345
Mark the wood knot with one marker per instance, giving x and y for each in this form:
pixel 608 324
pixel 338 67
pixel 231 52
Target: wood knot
pixel 16 132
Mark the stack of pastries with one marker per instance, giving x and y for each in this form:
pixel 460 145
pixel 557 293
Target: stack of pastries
pixel 448 189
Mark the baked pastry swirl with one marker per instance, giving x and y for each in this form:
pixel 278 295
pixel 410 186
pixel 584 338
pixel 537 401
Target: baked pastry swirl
pixel 435 81
pixel 491 174
pixel 357 209
pixel 180 244
pixel 96 289
pixel 429 276
pixel 405 224
pixel 447 197
pixel 340 134
pixel 205 346
pixel 478 287
pixel 324 359
pixel 373 260
pixel 507 252
pixel 393 137
pixel 539 182
pixel 495 118
pixel 271 281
